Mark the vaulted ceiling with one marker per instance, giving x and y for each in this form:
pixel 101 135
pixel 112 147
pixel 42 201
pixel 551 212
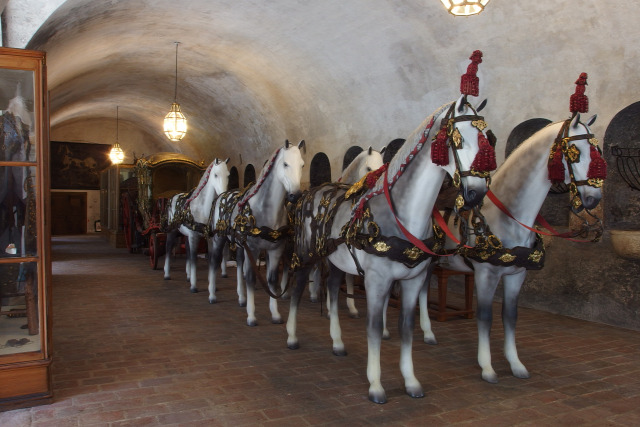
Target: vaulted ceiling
pixel 336 73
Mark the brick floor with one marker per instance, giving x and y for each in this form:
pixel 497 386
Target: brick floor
pixel 131 349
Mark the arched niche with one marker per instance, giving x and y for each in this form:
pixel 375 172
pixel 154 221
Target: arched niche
pixel 523 131
pixel 621 202
pixel 320 170
pixel 392 149
pixel 249 175
pixel 351 154
pixel 234 179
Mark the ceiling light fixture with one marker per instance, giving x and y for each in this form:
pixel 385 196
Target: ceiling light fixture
pixel 464 7
pixel 175 124
pixel 116 154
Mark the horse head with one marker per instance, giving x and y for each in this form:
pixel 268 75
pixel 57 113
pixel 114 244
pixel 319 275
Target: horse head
pixel 585 168
pixel 470 149
pixel 288 168
pixel 220 175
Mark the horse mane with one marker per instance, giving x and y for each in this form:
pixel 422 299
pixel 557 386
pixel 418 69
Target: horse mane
pixel 203 182
pixel 405 155
pixel 262 177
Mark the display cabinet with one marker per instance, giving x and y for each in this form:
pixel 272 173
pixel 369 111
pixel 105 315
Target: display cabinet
pixel 25 262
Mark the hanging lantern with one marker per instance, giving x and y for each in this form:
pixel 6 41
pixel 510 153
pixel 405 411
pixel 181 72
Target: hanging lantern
pixel 116 154
pixel 175 124
pixel 464 7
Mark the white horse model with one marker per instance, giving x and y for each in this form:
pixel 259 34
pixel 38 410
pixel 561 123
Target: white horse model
pixel 370 238
pixel 189 214
pixel 256 219
pixel 367 161
pixel 521 184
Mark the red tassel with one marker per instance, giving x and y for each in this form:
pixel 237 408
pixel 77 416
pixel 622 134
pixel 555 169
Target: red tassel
pixel 439 148
pixel 372 177
pixel 469 83
pixel 556 167
pixel 579 102
pixel 485 160
pixel 598 166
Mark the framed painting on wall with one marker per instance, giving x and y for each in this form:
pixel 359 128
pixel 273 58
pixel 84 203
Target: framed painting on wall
pixel 77 166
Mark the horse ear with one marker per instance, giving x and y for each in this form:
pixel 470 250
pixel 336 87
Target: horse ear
pixel 592 120
pixel 370 150
pixel 482 105
pixel 227 161
pixel 302 146
pixel 216 161
pixel 462 102
pixel 575 121
pixel 382 151
pixel 286 144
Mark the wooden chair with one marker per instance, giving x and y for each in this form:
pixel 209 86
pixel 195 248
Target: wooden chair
pixel 439 308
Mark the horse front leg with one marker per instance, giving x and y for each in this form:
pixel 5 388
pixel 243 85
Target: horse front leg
pixel 406 323
pixel 486 284
pixel 351 305
pixel 425 322
pixel 250 288
pixel 215 247
pixel 377 289
pixel 512 284
pixel 296 295
pixel 334 281
pixel 193 240
pixel 273 264
pixel 223 263
pixel 171 239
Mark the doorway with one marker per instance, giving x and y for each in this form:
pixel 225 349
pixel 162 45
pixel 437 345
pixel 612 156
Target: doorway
pixel 68 213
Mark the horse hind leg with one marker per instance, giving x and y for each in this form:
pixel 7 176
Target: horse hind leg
pixel 250 288
pixel 171 238
pixel 223 263
pixel 215 246
pixel 192 260
pixel 512 285
pixel 351 305
pixel 240 286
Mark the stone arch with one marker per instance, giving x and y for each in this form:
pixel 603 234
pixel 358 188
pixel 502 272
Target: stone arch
pixel 234 179
pixel 249 174
pixel 392 149
pixel 320 170
pixel 621 202
pixel 523 131
pixel 351 154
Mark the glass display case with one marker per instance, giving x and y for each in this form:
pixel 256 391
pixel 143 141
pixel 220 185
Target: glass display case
pixel 25 263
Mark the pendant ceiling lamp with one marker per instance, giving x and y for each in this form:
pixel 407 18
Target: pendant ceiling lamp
pixel 464 7
pixel 116 154
pixel 175 124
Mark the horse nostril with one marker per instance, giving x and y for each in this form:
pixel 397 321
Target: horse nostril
pixel 471 195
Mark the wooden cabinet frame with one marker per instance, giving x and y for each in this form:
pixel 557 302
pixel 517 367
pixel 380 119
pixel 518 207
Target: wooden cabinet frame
pixel 25 376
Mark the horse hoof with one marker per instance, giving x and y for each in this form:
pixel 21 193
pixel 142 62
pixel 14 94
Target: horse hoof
pixel 523 374
pixel 252 323
pixel 340 353
pixel 386 335
pixel 242 304
pixel 167 278
pixel 277 321
pixel 354 315
pixel 212 301
pixel 416 393
pixel 293 346
pixel 224 276
pixel 430 340
pixel 194 290
pixel 491 378
pixel 314 300
pixel 378 398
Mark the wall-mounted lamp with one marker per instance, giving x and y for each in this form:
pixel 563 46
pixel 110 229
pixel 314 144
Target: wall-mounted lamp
pixel 464 7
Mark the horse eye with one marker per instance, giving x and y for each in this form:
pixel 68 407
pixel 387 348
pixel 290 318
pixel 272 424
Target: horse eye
pixel 215 175
pixel 286 165
pixel 369 169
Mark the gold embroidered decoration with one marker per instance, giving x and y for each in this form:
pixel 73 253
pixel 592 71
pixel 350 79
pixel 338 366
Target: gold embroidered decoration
pixel 381 247
pixel 536 256
pixel 459 201
pixel 412 253
pixel 295 261
pixel 573 154
pixel 456 137
pixel 507 258
pixel 275 234
pixel 479 124
pixel 255 231
pixel 595 182
pixel 355 188
pixel 594 141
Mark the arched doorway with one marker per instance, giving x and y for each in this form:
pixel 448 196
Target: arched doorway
pixel 234 179
pixel 392 149
pixel 249 175
pixel 320 170
pixel 351 154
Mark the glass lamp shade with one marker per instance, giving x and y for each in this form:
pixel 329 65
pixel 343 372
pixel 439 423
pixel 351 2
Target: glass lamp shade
pixel 464 7
pixel 175 124
pixel 116 154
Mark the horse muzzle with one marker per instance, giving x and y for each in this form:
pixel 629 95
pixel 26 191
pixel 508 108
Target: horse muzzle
pixel 293 197
pixel 473 197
